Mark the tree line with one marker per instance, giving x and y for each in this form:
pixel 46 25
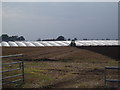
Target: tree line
pixel 5 37
pixel 59 38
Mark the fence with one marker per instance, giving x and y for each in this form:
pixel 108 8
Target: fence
pixel 20 67
pixel 111 80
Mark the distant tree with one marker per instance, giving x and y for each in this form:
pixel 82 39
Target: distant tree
pixel 85 39
pixel 21 38
pixel 69 39
pixel 107 39
pixel 60 38
pixel 39 39
pixel 75 39
pixel 5 37
pixel 49 40
pixel 13 38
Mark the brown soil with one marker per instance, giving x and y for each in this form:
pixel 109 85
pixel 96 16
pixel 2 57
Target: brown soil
pixel 69 67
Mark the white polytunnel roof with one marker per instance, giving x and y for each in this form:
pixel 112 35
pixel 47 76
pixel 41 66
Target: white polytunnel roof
pixel 96 42
pixel 46 43
pixel 79 44
pixel 5 44
pixel 12 44
pixel 83 43
pixel 29 44
pixel 37 43
pixel 20 44
pixel 53 43
pixel 59 43
pixel 67 43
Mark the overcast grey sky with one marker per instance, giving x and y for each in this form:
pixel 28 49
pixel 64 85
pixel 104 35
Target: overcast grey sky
pixel 45 20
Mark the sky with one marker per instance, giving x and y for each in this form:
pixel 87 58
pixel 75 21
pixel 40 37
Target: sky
pixel 48 20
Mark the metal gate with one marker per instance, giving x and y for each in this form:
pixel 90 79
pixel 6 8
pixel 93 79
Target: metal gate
pixel 113 80
pixel 19 65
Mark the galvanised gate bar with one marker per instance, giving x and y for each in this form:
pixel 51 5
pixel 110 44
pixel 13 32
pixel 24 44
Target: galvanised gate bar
pixel 20 66
pixel 112 80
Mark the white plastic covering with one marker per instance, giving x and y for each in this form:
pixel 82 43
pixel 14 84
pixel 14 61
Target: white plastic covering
pixel 66 42
pixel 5 44
pixel 60 43
pixel 53 43
pixel 79 43
pixel 29 44
pixel 113 42
pixel 37 43
pixel 20 44
pixel 45 43
pixel 96 42
pixel 84 43
pixel 13 44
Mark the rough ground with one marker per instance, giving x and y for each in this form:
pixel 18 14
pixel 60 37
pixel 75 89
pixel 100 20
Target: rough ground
pixel 62 67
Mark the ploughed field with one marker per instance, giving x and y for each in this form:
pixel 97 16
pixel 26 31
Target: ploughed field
pixel 61 67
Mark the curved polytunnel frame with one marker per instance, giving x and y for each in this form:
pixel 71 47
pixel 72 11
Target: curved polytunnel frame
pixel 45 43
pixel 53 43
pixel 59 43
pixel 5 44
pixel 20 44
pixel 37 44
pixel 12 44
pixel 29 44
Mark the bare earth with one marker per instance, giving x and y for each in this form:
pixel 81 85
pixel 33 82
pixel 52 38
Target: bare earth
pixel 62 67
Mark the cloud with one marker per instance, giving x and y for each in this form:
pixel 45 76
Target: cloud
pixel 47 20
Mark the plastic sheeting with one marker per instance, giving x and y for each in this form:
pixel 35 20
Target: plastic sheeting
pixel 5 44
pixel 29 44
pixel 59 43
pixel 37 44
pixel 20 44
pixel 96 42
pixel 12 44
